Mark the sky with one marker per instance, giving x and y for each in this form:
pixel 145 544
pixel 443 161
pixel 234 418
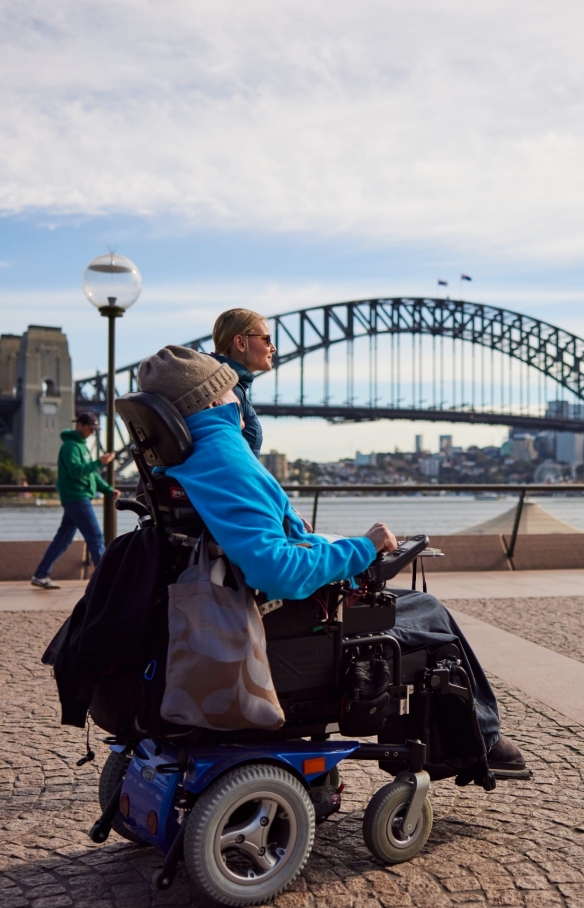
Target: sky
pixel 277 155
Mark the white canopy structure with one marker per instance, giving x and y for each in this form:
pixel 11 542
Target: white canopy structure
pixel 535 520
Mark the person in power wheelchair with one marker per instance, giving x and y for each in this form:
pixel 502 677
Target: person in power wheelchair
pixel 345 655
pixel 251 519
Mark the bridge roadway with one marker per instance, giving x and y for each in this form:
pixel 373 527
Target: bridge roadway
pixel 521 845
pixel 364 413
pixel 346 413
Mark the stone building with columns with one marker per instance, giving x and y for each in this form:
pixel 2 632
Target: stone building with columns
pixel 36 394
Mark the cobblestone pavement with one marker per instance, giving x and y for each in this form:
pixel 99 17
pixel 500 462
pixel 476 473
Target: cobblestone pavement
pixel 556 623
pixel 522 845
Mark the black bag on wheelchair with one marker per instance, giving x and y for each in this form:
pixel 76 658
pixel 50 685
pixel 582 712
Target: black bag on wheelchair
pixel 366 696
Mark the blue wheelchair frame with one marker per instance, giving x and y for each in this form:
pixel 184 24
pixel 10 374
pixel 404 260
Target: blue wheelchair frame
pixel 153 776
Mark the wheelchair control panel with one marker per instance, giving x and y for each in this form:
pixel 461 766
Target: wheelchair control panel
pixel 388 565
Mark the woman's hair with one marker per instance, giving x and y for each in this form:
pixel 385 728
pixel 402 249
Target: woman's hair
pixel 231 323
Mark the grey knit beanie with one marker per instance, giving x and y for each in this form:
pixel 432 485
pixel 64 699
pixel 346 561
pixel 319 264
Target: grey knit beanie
pixel 190 380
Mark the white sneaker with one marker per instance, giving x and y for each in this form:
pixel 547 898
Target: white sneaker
pixel 45 583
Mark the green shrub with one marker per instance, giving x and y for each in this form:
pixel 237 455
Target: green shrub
pixel 8 468
pixel 12 473
pixel 39 476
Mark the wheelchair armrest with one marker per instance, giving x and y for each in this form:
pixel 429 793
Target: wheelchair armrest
pixel 130 504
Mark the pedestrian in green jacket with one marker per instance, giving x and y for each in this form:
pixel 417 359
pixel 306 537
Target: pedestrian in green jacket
pixel 77 483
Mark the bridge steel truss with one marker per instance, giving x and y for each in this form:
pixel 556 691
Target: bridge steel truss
pixel 552 351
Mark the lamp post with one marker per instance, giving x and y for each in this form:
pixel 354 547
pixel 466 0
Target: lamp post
pixel 111 283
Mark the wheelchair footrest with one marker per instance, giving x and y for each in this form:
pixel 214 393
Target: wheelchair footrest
pixel 516 774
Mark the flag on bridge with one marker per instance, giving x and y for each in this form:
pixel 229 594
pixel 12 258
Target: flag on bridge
pixel 465 277
pixel 442 283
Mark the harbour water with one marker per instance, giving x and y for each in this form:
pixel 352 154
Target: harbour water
pixel 348 516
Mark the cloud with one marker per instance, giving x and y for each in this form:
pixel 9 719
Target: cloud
pixel 409 122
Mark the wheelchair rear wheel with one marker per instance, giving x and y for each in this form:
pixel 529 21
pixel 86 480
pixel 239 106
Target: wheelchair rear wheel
pixel 382 824
pixel 249 835
pixel 113 770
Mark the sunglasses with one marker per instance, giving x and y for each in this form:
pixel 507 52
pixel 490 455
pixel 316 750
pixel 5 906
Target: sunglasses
pixel 267 338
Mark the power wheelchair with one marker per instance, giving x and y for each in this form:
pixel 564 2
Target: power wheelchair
pixel 241 807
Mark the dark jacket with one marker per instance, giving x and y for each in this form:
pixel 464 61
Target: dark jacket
pixel 78 474
pixel 253 428
pixel 110 628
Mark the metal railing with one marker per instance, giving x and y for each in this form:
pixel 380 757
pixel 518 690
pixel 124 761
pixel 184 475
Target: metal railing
pixel 521 490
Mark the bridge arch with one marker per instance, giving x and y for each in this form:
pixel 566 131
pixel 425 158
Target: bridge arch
pixel 553 352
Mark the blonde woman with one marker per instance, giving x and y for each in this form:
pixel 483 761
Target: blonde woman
pixel 242 340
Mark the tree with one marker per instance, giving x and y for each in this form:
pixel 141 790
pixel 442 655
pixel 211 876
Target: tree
pixel 12 473
pixel 8 468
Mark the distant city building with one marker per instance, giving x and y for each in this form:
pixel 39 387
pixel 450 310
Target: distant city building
pixel 558 409
pixel 569 447
pixel 430 465
pixel 564 410
pixel 545 445
pixel 419 442
pixel 445 444
pixel 277 464
pixel 505 449
pixel 365 460
pixel 491 451
pixel 522 446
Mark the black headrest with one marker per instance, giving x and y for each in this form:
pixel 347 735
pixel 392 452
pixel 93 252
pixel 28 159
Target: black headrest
pixel 156 428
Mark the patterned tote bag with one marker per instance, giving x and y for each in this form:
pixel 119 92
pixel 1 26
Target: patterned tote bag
pixel 217 673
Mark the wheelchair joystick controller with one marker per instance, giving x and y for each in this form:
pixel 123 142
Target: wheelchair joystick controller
pixel 388 564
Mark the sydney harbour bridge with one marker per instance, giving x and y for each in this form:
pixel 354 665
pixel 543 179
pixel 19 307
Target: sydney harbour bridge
pixel 407 358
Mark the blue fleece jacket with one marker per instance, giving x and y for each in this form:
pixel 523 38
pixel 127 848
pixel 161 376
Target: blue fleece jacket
pixel 244 508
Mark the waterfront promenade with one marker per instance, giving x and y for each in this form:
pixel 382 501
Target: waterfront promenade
pixel 522 845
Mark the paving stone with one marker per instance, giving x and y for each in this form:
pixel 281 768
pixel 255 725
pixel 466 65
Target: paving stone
pixel 530 619
pixel 522 845
pixel 542 899
pixel 294 900
pixel 504 897
pixel 16 900
pixel 460 883
pixel 48 889
pixel 52 901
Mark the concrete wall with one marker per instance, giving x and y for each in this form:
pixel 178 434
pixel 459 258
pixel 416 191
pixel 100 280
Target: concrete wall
pixel 563 551
pixel 44 385
pixel 461 553
pixel 487 553
pixel 9 350
pixel 469 553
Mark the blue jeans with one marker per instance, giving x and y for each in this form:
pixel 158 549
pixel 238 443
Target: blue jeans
pixel 422 619
pixel 78 515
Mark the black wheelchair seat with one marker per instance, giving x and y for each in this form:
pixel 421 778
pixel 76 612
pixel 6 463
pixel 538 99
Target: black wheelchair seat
pixel 156 428
pixel 160 438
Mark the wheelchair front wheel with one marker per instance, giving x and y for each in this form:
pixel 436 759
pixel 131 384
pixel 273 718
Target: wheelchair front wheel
pixel 382 824
pixel 113 770
pixel 249 835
